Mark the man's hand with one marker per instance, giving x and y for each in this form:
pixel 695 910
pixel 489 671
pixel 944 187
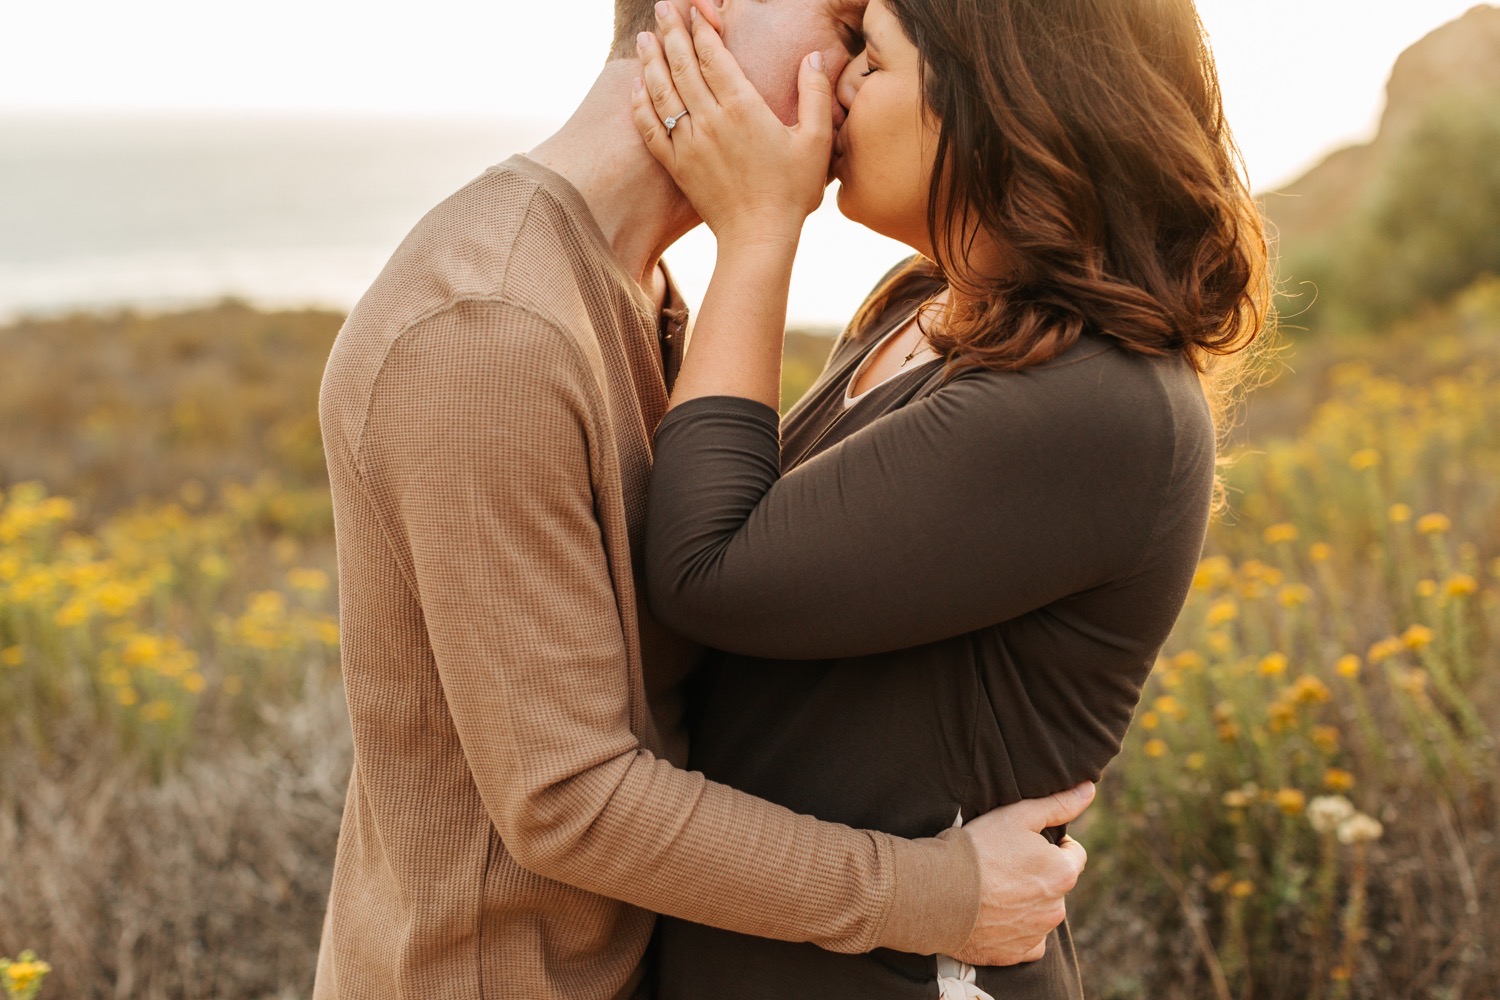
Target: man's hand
pixel 1025 876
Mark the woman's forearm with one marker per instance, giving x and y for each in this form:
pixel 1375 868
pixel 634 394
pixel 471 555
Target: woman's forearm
pixel 737 338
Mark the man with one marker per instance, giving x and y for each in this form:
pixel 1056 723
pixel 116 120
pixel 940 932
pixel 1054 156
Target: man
pixel 513 817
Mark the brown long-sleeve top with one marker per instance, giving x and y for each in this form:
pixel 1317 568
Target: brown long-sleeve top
pixel 511 821
pixel 943 599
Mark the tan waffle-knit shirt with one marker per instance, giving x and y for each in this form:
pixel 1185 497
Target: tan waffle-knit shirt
pixel 511 821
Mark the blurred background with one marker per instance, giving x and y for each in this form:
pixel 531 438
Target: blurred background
pixel 192 196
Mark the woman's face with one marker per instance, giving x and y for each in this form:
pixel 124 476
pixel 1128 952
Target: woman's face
pixel 883 154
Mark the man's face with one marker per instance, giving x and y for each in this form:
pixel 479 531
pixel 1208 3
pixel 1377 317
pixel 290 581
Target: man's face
pixel 769 38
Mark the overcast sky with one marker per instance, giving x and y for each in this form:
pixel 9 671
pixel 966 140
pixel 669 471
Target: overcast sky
pixel 1299 76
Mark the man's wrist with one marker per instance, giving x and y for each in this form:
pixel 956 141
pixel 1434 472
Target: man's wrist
pixel 935 900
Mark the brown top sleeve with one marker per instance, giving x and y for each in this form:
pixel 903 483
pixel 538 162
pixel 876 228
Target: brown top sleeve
pixel 492 500
pixel 993 496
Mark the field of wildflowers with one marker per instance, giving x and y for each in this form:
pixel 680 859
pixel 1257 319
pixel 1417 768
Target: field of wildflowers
pixel 1305 809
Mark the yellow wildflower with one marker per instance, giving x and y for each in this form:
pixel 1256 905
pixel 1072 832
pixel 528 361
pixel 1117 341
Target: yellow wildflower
pixel 1427 588
pixel 1417 637
pixel 1460 585
pixel 1291 801
pixel 1385 649
pixel 1150 721
pixel 1212 572
pixel 312 581
pixel 1365 459
pixel 1156 748
pixel 193 683
pixel 1348 666
pixel 328 631
pixel 1219 642
pixel 1279 533
pixel 127 697
pixel 1309 690
pixel 1242 889
pixel 21 976
pixel 1197 760
pixel 1236 798
pixel 1220 882
pixel 1320 552
pixel 1282 716
pixel 72 614
pixel 1273 665
pixel 1294 595
pixel 1189 659
pixel 156 711
pixel 1434 524
pixel 1170 706
pixel 1222 611
pixel 1399 513
pixel 12 656
pixel 1336 779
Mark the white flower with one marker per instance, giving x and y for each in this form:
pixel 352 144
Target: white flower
pixel 1327 812
pixel 1359 829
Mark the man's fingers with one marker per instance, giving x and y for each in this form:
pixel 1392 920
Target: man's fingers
pixel 682 60
pixel 814 100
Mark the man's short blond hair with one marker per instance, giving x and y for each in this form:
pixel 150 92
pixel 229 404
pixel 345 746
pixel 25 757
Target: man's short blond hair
pixel 631 18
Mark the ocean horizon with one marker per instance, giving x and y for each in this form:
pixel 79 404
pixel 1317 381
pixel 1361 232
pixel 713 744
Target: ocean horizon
pixel 157 212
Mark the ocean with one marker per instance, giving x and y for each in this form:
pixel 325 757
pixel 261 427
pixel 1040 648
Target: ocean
pixel 161 212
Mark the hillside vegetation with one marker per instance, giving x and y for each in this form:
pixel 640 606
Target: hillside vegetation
pixel 173 748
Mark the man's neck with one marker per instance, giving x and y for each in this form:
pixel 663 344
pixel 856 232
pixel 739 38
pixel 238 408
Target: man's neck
pixel 599 152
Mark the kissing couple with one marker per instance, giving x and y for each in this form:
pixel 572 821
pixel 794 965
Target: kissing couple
pixel 658 694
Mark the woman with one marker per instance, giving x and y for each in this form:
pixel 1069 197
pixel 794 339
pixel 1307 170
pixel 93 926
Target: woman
pixel 942 586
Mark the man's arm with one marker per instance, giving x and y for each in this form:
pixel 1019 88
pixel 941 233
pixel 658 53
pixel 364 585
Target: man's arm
pixel 478 451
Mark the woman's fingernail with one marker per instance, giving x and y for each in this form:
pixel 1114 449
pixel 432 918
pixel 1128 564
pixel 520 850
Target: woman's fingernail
pixel 693 14
pixel 816 59
pixel 636 85
pixel 643 41
pixel 662 10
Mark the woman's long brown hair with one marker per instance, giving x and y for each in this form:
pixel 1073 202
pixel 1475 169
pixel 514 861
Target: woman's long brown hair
pixel 1086 139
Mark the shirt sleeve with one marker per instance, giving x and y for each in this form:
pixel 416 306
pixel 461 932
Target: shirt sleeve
pixel 481 452
pixel 991 497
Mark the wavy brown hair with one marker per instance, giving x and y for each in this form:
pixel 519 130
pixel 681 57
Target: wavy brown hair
pixel 1087 139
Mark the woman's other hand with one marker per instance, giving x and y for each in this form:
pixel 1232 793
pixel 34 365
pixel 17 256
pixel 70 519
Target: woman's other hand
pixel 749 176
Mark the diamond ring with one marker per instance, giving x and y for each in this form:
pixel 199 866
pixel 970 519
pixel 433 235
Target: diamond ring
pixel 671 123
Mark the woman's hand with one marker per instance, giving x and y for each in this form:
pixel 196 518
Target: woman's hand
pixel 749 176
